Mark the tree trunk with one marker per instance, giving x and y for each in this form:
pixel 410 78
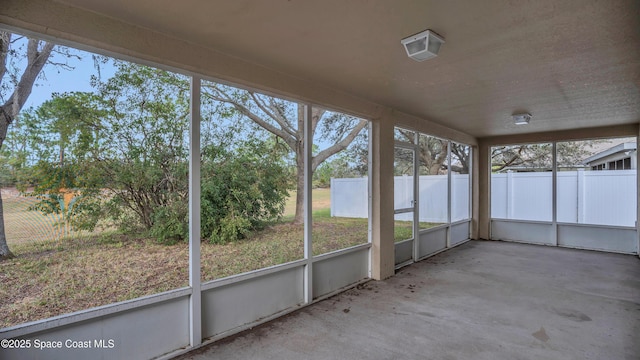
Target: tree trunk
pixel 5 253
pixel 36 59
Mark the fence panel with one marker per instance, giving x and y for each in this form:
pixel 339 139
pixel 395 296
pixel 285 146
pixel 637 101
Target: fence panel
pixel 584 197
pixel 530 196
pixel 433 198
pixel 349 197
pixel 460 197
pixel 403 191
pixel 568 196
pixel 521 196
pixel 610 197
pixel 499 196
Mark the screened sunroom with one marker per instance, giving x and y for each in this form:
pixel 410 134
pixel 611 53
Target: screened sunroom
pixel 199 169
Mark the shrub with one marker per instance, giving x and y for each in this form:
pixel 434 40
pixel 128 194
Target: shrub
pixel 241 191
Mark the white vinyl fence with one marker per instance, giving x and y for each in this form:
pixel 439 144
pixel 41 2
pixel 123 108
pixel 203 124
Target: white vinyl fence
pixel 584 197
pixel 349 197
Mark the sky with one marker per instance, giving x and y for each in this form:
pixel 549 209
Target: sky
pixel 58 80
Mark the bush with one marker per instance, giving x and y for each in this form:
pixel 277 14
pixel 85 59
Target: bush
pixel 241 191
pixel 128 139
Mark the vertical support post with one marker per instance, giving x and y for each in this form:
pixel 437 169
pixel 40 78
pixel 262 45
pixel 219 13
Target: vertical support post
pixel 195 300
pixel 554 193
pixel 308 225
pixel 382 214
pixel 449 189
pixel 637 194
pixel 482 191
pixel 416 196
pixel 471 176
pixel 370 196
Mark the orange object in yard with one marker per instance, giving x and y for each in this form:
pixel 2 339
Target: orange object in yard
pixel 67 195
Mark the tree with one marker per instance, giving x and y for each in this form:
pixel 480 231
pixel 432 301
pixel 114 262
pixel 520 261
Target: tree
pixel 19 86
pixel 64 137
pixel 14 154
pixel 75 119
pixel 539 156
pixel 286 121
pixel 124 152
pixel 242 190
pixel 460 158
pixel 341 166
pixel 140 156
pixel 432 152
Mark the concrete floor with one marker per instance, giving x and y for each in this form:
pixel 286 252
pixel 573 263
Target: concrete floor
pixel 482 300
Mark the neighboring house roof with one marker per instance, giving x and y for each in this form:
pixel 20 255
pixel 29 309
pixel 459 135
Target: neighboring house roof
pixel 601 145
pixel 627 146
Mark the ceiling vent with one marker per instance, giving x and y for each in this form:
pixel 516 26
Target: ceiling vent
pixel 423 46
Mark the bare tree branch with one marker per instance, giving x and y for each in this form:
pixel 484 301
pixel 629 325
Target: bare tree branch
pixel 36 61
pixel 278 119
pixel 338 146
pixel 280 112
pixel 222 96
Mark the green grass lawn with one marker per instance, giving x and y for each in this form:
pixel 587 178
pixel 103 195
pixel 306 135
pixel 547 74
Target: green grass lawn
pixel 403 230
pixel 53 275
pixel 321 199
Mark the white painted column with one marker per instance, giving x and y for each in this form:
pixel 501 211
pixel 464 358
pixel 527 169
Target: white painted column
pixel 382 214
pixel 637 165
pixel 471 180
pixel 449 190
pixel 308 225
pixel 369 197
pixel 195 300
pixel 415 188
pixel 554 194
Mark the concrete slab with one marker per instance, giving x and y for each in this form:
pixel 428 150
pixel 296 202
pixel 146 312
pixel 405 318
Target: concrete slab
pixel 482 300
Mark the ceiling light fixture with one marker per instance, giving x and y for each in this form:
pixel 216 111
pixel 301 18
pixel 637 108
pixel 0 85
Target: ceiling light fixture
pixel 423 46
pixel 521 119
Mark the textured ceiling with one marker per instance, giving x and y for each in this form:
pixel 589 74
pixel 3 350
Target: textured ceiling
pixel 571 64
